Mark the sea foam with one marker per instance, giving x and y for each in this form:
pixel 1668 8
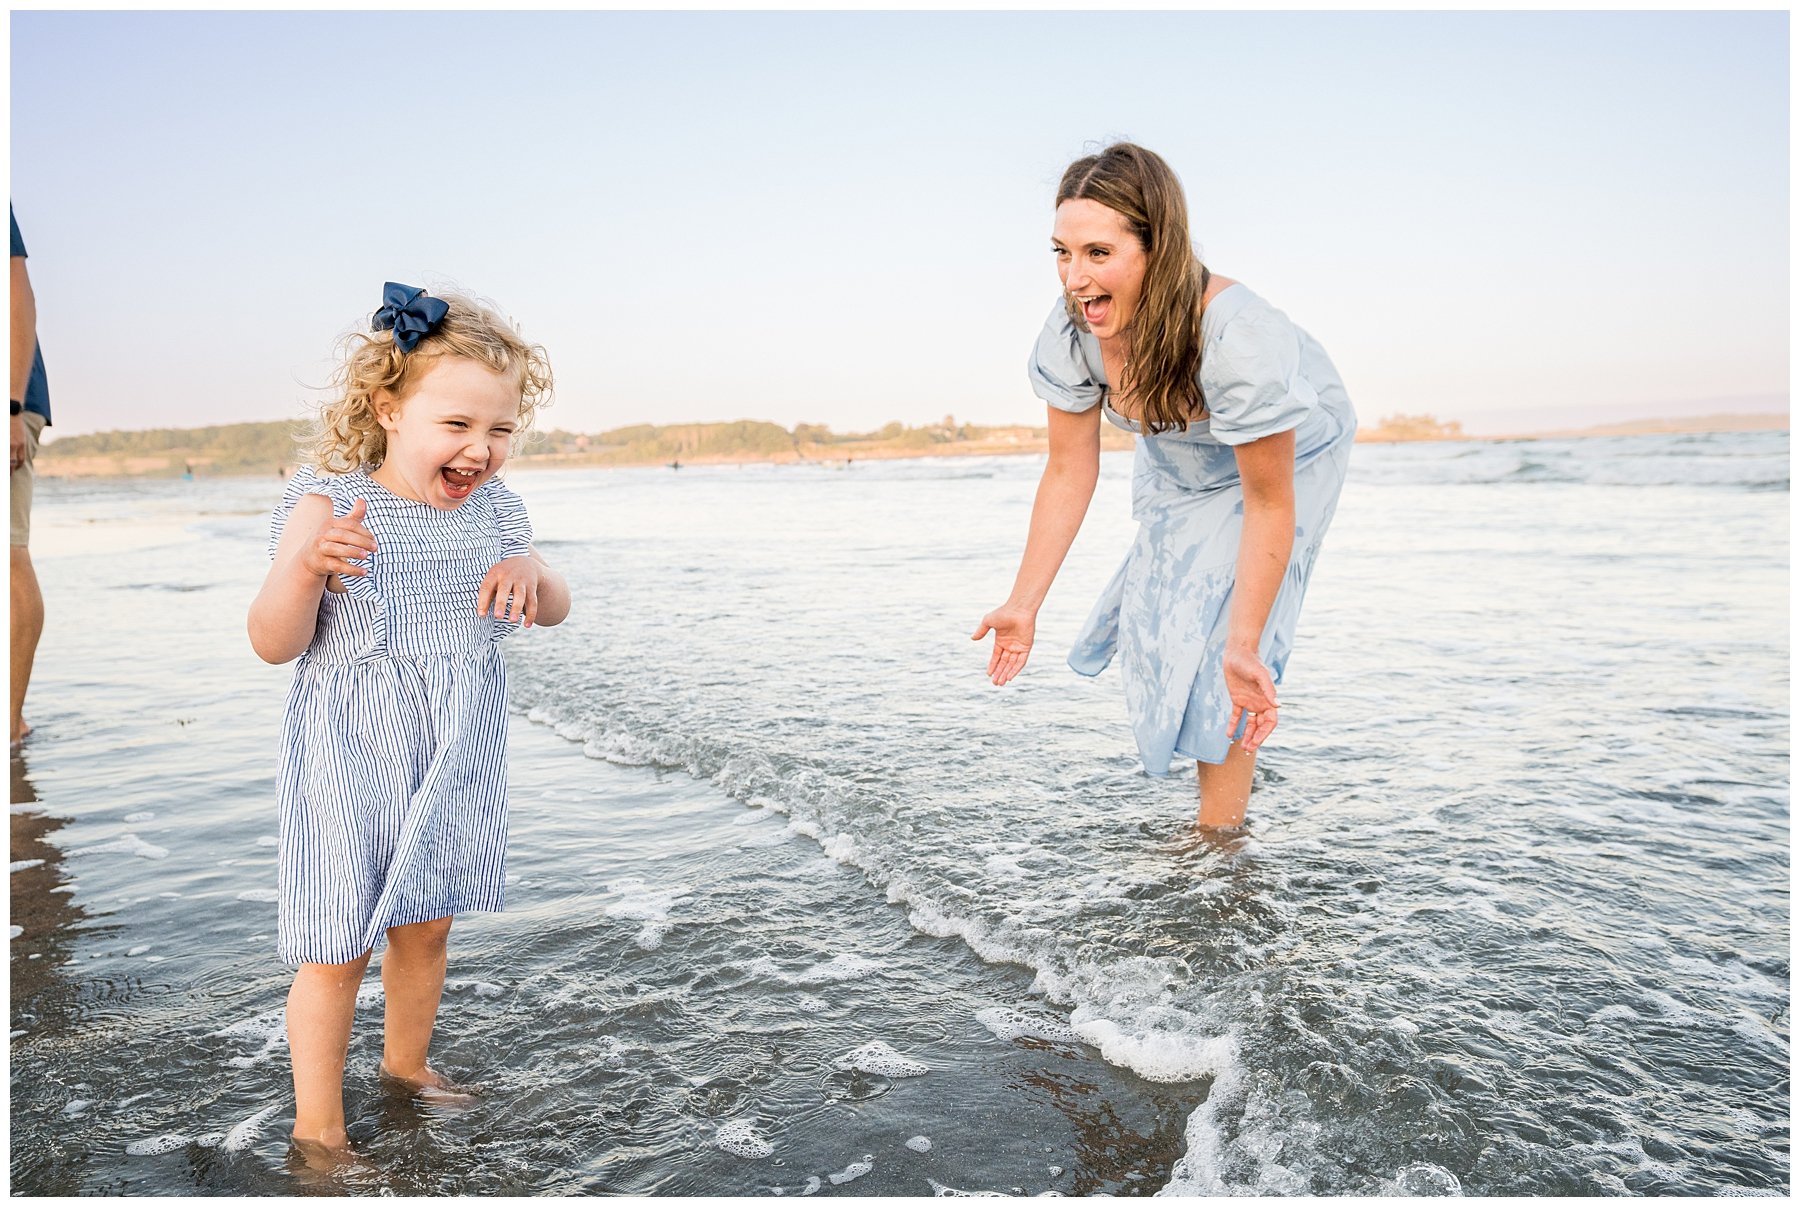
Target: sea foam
pixel 241 1136
pixel 157 1145
pixel 131 844
pixel 879 1058
pixel 1008 1023
pixel 638 902
pixel 853 1171
pixel 740 1139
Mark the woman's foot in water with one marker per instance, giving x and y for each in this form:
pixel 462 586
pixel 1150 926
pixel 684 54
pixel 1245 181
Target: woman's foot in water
pixel 429 1085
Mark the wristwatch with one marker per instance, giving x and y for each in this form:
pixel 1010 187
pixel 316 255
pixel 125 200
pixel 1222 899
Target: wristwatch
pixel 17 406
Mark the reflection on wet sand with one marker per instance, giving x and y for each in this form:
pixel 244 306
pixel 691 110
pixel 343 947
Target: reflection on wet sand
pixel 1113 1153
pixel 44 914
pixel 46 1001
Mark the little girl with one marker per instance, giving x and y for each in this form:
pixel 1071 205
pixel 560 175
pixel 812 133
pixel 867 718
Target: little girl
pixel 393 755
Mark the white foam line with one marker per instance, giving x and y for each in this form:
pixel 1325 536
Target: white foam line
pixel 129 843
pixel 1157 1053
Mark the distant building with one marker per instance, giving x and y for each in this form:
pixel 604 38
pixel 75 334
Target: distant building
pixel 1412 427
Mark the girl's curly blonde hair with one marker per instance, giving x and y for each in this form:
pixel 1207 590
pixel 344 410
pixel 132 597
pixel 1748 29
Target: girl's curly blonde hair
pixel 346 435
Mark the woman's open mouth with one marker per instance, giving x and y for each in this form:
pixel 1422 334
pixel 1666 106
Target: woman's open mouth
pixel 1095 308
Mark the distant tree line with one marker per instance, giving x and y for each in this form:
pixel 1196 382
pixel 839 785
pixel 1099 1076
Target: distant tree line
pixel 222 449
pixel 242 448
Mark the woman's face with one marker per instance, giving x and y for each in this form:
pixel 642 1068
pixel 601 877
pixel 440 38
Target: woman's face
pixel 1101 264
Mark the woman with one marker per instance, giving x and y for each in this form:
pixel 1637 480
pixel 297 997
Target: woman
pixel 1244 434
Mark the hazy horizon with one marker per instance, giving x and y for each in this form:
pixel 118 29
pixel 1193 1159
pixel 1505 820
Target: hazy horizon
pixel 1523 422
pixel 1511 220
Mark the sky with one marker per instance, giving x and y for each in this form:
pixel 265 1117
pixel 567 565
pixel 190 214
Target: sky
pixel 1514 220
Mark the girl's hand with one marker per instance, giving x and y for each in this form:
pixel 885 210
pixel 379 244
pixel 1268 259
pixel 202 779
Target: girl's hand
pixel 1253 691
pixel 339 540
pixel 1013 628
pixel 512 588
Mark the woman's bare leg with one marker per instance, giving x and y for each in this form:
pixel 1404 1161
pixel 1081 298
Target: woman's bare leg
pixel 1225 788
pixel 321 1007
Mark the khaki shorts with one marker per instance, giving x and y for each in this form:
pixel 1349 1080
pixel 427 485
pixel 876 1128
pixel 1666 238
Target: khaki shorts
pixel 22 479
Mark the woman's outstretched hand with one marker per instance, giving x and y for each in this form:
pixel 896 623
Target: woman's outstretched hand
pixel 1253 691
pixel 1013 628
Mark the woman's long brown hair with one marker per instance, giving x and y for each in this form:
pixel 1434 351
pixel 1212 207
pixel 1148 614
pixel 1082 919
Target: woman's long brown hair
pixel 1164 375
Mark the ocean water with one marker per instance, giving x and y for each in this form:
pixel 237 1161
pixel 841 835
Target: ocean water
pixel 801 904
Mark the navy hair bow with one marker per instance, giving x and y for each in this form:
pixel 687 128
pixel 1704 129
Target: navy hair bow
pixel 412 314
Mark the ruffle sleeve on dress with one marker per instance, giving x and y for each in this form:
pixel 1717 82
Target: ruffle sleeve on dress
pixel 1250 377
pixel 306 481
pixel 1059 369
pixel 343 491
pixel 510 517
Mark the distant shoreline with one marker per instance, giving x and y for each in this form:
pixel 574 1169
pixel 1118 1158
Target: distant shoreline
pixel 1751 421
pixel 172 462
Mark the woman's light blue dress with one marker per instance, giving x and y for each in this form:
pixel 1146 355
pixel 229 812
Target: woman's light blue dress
pixel 1167 610
pixel 392 786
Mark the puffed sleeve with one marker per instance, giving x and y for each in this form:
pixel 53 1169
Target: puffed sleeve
pixel 1251 380
pixel 510 517
pixel 1059 370
pixel 306 481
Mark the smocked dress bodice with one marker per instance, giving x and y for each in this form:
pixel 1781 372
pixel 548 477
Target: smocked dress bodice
pixel 418 598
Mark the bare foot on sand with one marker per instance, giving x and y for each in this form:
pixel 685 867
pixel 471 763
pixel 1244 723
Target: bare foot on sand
pixel 19 735
pixel 428 1085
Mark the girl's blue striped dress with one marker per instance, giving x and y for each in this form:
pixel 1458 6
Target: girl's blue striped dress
pixel 393 748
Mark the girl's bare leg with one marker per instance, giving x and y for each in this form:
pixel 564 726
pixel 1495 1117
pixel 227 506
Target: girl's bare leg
pixel 412 975
pixel 1225 788
pixel 321 1007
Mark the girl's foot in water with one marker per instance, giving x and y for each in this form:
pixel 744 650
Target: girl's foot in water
pixel 324 1153
pixel 428 1085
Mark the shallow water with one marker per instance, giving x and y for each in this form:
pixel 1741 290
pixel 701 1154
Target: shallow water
pixel 1510 914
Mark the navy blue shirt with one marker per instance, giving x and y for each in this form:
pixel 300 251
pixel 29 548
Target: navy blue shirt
pixel 37 390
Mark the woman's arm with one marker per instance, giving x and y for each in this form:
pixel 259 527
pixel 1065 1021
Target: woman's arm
pixel 313 547
pixel 552 593
pixel 1062 501
pixel 523 588
pixel 24 350
pixel 1266 468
